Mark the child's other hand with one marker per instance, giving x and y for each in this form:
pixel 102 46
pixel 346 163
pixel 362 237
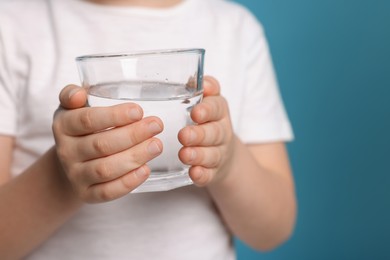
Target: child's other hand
pixel 209 145
pixel 103 150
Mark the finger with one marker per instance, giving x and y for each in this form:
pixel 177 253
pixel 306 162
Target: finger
pixel 115 140
pixel 209 157
pixel 90 120
pixel 211 86
pixel 201 176
pixel 209 134
pixel 72 97
pixel 210 109
pixel 112 167
pixel 117 188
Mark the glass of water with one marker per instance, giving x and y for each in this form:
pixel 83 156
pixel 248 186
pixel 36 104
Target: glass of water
pixel 165 83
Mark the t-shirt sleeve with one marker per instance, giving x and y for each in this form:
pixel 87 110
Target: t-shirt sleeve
pixel 264 118
pixel 8 107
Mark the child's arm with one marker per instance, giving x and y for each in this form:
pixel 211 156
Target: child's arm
pixel 32 205
pixel 257 198
pixel 252 185
pixel 43 197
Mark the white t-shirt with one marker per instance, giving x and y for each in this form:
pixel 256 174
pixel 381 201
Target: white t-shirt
pixel 39 40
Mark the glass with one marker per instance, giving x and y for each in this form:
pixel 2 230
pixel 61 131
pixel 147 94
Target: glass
pixel 166 84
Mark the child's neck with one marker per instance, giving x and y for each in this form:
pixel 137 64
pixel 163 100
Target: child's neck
pixel 144 3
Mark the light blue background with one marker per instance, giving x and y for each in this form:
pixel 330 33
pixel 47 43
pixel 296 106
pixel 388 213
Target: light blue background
pixel 332 60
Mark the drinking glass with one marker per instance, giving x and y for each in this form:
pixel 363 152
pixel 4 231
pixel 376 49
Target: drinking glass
pixel 165 83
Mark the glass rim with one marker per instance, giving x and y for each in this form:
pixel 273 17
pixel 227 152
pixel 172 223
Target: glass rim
pixel 139 53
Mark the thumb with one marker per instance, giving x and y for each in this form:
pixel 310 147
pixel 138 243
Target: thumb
pixel 211 86
pixel 72 97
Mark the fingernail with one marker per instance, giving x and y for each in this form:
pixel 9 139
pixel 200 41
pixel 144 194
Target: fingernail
pixel 202 114
pixel 135 113
pixel 154 127
pixel 197 174
pixel 72 92
pixel 192 155
pixel 154 148
pixel 141 172
pixel 192 136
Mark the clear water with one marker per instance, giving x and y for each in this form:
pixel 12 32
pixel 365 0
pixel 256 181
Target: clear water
pixel 172 103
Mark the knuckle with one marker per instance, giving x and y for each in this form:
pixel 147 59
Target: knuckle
pixel 101 146
pixel 211 134
pixel 105 195
pixel 217 160
pixel 86 121
pixel 202 134
pixel 62 153
pixel 133 137
pixel 103 171
pixel 128 184
pixel 137 159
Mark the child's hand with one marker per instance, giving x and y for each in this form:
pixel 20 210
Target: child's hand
pixel 102 164
pixel 208 146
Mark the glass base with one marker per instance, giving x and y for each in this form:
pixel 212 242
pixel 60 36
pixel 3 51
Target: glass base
pixel 164 181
